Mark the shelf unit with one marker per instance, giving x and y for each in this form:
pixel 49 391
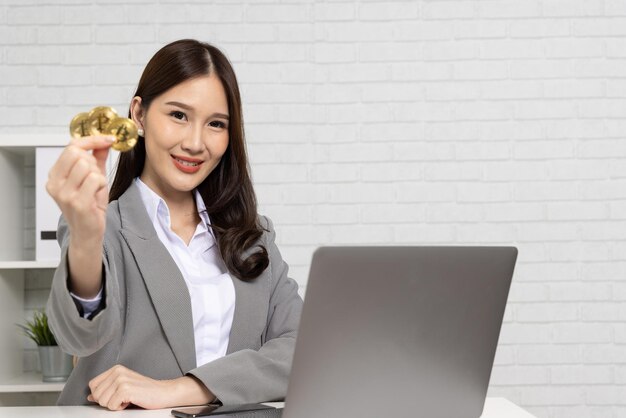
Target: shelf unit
pixel 29 382
pixel 16 151
pixel 23 265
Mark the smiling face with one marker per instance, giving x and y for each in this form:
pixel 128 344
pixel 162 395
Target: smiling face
pixel 186 134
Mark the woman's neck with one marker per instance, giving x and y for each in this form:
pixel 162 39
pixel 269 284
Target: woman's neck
pixel 184 217
pixel 181 204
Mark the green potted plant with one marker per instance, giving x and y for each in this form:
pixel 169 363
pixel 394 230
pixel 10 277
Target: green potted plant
pixel 56 365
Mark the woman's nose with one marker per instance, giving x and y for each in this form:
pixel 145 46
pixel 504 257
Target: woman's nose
pixel 192 142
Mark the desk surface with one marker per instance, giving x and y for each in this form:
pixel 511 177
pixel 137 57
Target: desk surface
pixel 494 408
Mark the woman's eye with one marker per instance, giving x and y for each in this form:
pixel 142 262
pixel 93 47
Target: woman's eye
pixel 178 114
pixel 217 124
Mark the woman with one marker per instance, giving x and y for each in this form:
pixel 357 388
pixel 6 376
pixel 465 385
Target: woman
pixel 175 292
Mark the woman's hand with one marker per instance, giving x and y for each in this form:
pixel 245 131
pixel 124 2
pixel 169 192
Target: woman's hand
pixel 119 387
pixel 77 182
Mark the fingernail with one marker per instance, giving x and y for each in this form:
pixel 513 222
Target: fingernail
pixel 110 138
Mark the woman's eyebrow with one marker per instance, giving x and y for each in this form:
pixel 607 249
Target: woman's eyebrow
pixel 220 115
pixel 179 104
pixel 187 107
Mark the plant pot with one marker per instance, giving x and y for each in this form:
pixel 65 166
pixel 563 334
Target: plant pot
pixel 56 366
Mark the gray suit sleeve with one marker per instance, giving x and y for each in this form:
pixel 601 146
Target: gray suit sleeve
pixel 249 376
pixel 74 334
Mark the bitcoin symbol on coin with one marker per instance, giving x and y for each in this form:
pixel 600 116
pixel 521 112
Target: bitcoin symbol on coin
pixel 125 132
pixel 122 132
pixel 79 126
pixel 103 120
pixel 99 119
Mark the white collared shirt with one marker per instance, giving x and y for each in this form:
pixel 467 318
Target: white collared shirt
pixel 210 286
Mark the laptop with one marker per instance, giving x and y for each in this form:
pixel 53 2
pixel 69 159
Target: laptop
pixel 399 331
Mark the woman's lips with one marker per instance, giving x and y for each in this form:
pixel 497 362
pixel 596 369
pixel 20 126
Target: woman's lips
pixel 187 165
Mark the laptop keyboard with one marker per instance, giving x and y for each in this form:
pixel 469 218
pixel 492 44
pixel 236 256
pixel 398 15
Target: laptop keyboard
pixel 263 413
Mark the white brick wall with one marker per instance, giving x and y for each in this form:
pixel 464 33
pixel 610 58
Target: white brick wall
pixel 408 122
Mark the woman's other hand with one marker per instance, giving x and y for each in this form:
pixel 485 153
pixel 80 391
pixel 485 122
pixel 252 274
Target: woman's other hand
pixel 120 386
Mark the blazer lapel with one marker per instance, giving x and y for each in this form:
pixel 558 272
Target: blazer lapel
pixel 251 307
pixel 163 279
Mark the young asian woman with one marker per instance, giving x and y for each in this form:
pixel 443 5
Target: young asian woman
pixel 171 289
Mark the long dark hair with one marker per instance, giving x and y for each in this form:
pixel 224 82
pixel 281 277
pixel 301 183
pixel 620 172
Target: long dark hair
pixel 227 192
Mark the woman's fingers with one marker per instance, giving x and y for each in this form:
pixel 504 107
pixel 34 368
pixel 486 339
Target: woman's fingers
pixel 74 165
pixel 79 189
pixel 119 386
pixel 79 148
pixel 120 398
pixel 101 156
pixel 109 389
pixel 86 196
pixel 100 384
pixel 93 142
pixel 95 382
pixel 79 171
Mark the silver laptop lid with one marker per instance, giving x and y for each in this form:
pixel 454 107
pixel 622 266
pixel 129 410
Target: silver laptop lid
pixel 399 331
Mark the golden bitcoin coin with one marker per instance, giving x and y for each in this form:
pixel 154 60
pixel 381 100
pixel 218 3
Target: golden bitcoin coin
pixel 99 119
pixel 79 126
pixel 125 132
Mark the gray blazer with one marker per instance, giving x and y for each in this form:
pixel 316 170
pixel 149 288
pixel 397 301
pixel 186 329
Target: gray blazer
pixel 146 324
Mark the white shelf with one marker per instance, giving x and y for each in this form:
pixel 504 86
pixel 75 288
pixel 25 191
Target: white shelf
pixel 29 382
pixel 33 140
pixel 17 180
pixel 24 265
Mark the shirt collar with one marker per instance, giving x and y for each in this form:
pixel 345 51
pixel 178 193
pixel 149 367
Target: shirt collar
pixel 156 206
pixel 204 215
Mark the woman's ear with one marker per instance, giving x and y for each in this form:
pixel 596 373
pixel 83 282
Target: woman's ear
pixel 137 112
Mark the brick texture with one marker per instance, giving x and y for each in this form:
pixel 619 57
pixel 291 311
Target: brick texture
pixel 402 122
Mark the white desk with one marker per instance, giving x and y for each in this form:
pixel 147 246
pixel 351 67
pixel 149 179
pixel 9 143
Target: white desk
pixel 494 408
